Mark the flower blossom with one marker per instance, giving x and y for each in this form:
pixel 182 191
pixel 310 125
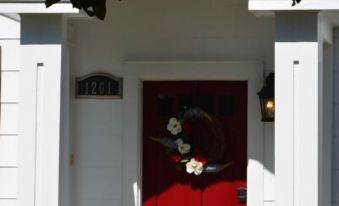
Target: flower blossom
pixel 174 126
pixel 195 167
pixel 183 148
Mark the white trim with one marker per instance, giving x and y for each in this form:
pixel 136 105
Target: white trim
pixel 39 115
pixel 285 5
pixel 37 8
pixel 136 72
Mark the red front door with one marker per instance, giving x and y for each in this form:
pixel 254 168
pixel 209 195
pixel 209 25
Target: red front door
pixel 163 184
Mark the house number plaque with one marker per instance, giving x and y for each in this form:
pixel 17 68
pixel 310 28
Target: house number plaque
pixel 99 86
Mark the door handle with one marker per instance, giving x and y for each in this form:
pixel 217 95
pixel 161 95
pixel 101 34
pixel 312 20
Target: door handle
pixel 242 195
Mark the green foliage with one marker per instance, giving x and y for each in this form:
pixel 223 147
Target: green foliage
pixel 294 2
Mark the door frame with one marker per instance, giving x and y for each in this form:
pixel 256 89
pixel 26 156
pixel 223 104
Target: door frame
pixel 135 72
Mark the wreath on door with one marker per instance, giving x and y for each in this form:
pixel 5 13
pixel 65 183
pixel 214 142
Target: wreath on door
pixel 195 142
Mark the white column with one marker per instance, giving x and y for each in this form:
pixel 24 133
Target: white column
pixel 40 95
pixel 326 40
pixel 298 101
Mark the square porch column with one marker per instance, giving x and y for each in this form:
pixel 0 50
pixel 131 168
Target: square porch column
pixel 299 113
pixel 43 98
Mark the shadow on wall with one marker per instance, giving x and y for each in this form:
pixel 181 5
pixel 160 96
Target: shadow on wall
pixel 41 29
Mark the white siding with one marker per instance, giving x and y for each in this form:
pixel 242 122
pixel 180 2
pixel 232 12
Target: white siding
pixel 8 202
pixel 9 86
pixel 8 186
pixel 8 151
pixel 94 184
pixel 9 58
pixel 9 118
pixel 98 152
pixel 10 51
pixel 269 203
pixel 12 28
pixel 200 30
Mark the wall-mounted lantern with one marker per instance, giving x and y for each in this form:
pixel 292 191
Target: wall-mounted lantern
pixel 266 97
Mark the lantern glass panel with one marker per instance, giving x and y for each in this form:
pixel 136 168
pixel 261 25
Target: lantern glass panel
pixel 267 109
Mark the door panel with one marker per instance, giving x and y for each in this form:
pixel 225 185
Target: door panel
pixel 225 101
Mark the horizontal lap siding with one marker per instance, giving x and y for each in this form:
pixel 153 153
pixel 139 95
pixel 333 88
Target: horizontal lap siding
pixel 9 119
pixel 10 29
pixel 9 54
pixel 8 186
pixel 8 151
pixel 9 86
pixel 8 202
pixel 269 203
pixel 97 132
pixel 10 45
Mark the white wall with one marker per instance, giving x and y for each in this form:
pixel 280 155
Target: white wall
pixel 335 148
pixel 152 30
pixel 326 125
pixel 9 58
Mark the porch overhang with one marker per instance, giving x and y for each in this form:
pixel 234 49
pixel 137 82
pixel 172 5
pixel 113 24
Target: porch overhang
pixel 284 5
pixel 36 7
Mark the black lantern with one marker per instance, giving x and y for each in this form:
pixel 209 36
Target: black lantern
pixel 266 96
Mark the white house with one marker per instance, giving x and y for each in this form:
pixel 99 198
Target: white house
pixel 58 148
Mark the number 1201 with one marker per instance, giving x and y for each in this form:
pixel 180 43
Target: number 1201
pixel 98 88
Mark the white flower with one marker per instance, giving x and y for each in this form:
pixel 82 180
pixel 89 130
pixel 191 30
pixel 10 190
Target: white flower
pixel 195 167
pixel 174 126
pixel 183 148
